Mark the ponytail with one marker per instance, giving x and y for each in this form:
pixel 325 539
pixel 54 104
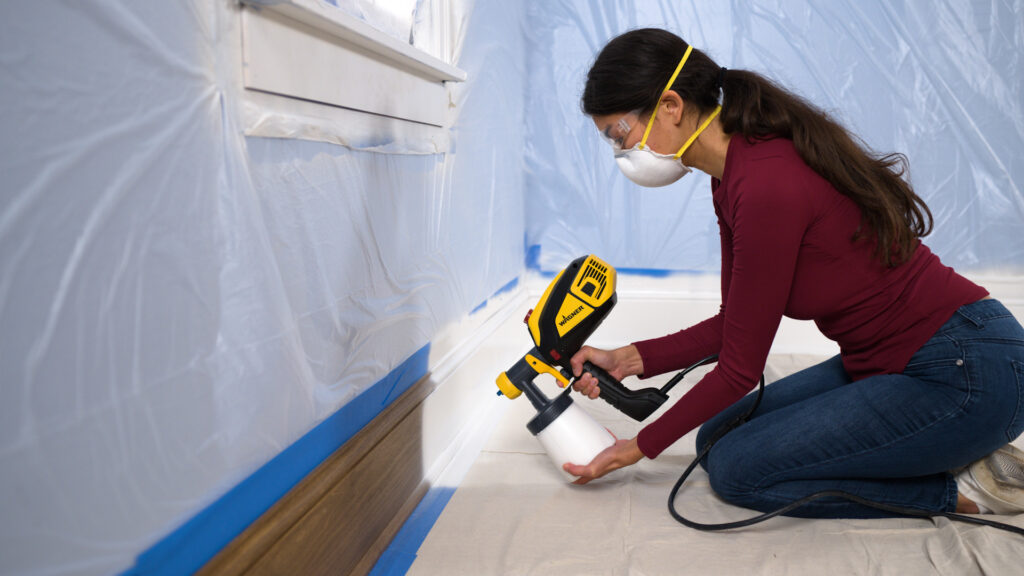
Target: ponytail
pixel 756 107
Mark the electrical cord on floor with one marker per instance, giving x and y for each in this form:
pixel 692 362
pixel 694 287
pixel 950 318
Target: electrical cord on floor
pixel 909 512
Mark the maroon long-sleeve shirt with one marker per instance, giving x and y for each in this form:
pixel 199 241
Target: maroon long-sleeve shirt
pixel 787 250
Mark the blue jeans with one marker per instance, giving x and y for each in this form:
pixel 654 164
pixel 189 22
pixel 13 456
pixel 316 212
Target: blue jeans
pixel 892 438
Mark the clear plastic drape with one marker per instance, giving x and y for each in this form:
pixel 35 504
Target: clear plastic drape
pixel 180 303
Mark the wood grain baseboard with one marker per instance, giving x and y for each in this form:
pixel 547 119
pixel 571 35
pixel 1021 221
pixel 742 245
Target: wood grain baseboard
pixel 342 516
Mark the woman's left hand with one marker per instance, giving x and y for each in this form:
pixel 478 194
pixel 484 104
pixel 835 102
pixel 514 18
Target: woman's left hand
pixel 619 455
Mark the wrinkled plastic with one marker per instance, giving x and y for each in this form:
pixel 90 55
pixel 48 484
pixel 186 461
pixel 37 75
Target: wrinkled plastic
pixel 180 303
pixel 940 83
pixel 421 23
pixel 436 27
pixel 393 17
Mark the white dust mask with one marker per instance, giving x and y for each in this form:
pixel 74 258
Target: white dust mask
pixel 649 168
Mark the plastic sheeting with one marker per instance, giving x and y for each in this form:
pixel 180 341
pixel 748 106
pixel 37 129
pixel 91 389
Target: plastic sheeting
pixel 280 59
pixel 433 26
pixel 940 82
pixel 394 17
pixel 181 303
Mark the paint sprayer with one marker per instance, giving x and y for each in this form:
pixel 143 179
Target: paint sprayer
pixel 572 307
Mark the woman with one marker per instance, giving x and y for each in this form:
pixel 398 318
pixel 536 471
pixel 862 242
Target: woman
pixel 931 372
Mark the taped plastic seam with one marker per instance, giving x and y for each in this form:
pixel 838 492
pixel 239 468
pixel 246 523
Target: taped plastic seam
pixel 503 290
pixel 270 116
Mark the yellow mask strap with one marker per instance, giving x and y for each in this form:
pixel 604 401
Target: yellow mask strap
pixel 650 123
pixel 703 125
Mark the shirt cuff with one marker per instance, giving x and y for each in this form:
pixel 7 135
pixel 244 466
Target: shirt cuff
pixel 648 446
pixel 648 356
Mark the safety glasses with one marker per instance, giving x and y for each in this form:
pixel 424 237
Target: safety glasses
pixel 616 133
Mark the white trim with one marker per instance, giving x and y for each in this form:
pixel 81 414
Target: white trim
pixel 454 344
pixel 313 72
pixel 460 413
pixel 336 23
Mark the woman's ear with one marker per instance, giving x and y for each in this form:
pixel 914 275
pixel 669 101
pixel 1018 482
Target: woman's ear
pixel 672 106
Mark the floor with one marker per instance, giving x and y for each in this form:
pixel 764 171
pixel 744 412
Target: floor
pixel 514 513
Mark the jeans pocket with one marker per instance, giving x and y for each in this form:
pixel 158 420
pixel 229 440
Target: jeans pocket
pixel 947 370
pixel 1017 422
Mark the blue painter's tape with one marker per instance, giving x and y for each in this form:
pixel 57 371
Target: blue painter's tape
pixel 650 272
pixel 193 544
pixel 533 257
pixel 510 286
pixel 533 263
pixel 506 288
pixel 401 553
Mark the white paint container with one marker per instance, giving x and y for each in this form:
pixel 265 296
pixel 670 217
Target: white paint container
pixel 569 434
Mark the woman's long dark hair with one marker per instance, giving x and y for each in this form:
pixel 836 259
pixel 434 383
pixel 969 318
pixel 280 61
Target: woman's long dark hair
pixel 632 70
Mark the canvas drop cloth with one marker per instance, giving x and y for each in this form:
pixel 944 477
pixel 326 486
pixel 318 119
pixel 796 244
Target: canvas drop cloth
pixel 514 514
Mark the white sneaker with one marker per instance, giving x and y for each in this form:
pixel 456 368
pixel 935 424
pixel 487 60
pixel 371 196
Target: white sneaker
pixel 996 482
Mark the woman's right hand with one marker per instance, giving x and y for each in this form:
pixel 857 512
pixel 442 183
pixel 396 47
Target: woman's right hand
pixel 619 363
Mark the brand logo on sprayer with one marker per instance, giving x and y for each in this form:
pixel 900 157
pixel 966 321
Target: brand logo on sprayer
pixel 570 316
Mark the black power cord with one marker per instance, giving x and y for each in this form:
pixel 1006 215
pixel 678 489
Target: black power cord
pixel 725 429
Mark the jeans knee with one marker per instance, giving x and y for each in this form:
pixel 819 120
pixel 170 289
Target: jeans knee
pixel 711 431
pixel 730 477
pixel 719 476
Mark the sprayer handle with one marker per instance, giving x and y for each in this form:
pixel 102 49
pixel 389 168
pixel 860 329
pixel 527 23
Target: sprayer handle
pixel 637 404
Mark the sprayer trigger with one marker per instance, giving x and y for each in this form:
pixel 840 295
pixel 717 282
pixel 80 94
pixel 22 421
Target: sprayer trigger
pixel 542 367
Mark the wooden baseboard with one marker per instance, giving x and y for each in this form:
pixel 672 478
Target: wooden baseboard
pixel 341 517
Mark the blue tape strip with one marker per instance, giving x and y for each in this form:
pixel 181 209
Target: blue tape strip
pixel 506 288
pixel 533 257
pixel 533 263
pixel 193 544
pixel 401 553
pixel 652 272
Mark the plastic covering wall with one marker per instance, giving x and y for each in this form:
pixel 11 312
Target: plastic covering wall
pixel 942 82
pixel 180 303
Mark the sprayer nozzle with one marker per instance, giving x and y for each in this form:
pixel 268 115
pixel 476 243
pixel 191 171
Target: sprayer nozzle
pixel 506 387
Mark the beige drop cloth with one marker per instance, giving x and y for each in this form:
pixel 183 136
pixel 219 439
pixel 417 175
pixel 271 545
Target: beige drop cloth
pixel 514 514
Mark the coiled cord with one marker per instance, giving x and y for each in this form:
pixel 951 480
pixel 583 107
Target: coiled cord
pixel 725 429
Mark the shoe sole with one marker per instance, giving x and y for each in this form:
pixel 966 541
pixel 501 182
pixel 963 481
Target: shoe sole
pixel 1001 476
